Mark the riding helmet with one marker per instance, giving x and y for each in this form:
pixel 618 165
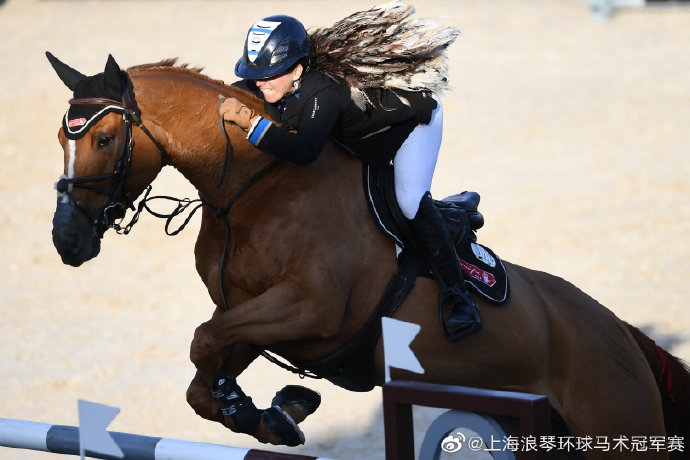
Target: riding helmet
pixel 273 45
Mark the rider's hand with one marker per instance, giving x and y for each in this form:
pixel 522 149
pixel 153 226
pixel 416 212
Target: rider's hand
pixel 234 111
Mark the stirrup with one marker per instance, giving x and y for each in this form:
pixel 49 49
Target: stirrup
pixel 452 295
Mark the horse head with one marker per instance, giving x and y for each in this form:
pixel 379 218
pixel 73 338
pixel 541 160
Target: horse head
pixel 100 179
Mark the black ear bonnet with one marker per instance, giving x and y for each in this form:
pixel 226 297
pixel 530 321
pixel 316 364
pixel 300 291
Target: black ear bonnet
pixel 79 118
pixel 110 84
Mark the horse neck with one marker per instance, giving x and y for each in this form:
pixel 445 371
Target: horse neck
pixel 179 106
pixel 181 109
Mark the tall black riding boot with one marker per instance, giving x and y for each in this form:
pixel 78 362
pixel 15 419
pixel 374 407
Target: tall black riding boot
pixel 432 233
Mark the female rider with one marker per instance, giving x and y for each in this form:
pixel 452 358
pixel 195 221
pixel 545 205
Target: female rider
pixel 309 108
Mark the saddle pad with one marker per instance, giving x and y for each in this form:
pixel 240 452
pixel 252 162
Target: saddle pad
pixel 485 273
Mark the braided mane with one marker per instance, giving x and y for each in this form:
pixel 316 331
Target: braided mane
pixel 383 48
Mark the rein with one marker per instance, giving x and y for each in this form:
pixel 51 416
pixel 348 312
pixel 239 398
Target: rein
pixel 222 212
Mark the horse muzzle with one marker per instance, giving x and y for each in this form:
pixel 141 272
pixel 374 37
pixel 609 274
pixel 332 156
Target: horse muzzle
pixel 74 236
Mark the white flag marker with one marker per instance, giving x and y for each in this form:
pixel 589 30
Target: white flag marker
pixel 397 337
pixel 93 420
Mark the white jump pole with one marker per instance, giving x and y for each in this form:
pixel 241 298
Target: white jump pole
pixel 63 439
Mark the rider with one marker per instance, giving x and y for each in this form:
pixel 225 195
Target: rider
pixel 309 108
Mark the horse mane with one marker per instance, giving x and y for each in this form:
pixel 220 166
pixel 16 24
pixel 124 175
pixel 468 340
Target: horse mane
pixel 170 64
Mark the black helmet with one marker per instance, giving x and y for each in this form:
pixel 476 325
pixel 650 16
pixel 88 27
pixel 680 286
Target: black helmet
pixel 273 46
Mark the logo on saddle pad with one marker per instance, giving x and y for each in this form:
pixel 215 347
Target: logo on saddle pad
pixel 477 273
pixel 482 255
pixel 485 272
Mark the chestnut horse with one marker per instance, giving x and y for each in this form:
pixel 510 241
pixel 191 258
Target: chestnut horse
pixel 297 258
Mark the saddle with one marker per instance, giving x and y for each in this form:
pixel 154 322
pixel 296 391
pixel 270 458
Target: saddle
pixel 485 273
pixel 459 211
pixel 352 366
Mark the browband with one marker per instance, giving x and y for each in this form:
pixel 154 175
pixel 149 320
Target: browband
pixel 95 101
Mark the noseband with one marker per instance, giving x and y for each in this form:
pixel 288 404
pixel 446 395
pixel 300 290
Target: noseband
pixel 119 200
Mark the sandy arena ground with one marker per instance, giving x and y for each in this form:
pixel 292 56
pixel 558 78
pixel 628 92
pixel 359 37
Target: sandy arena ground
pixel 575 132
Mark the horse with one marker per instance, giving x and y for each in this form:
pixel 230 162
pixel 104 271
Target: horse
pixel 295 263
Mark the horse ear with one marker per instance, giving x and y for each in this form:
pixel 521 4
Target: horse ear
pixel 112 79
pixel 68 75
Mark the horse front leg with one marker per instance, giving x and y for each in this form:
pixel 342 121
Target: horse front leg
pixel 275 425
pixel 199 393
pixel 280 314
pixel 225 402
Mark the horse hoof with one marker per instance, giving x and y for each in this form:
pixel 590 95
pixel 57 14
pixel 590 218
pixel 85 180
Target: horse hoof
pixel 307 400
pixel 282 426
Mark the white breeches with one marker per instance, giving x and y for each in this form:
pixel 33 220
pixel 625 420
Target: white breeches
pixel 415 162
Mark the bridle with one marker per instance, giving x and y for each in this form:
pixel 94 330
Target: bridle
pixel 119 200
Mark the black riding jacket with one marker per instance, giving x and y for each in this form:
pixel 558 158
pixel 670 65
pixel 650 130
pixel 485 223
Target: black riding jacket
pixel 323 108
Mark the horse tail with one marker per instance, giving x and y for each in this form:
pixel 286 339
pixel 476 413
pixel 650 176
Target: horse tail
pixel 673 380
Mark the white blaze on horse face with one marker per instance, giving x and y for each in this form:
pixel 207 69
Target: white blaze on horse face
pixel 72 158
pixel 72 152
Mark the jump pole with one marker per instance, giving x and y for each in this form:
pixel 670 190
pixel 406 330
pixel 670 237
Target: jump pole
pixel 63 439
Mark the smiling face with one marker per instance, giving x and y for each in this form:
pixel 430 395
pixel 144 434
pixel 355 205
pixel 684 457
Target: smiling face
pixel 275 88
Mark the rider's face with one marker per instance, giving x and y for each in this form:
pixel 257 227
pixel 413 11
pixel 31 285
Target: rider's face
pixel 275 88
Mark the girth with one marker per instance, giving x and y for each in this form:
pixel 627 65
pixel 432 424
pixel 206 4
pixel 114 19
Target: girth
pixel 352 366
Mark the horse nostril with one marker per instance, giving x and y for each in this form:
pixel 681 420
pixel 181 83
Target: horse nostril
pixel 73 240
pixel 67 241
pixel 76 244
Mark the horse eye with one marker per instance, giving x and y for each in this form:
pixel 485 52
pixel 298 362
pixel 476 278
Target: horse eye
pixel 105 141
